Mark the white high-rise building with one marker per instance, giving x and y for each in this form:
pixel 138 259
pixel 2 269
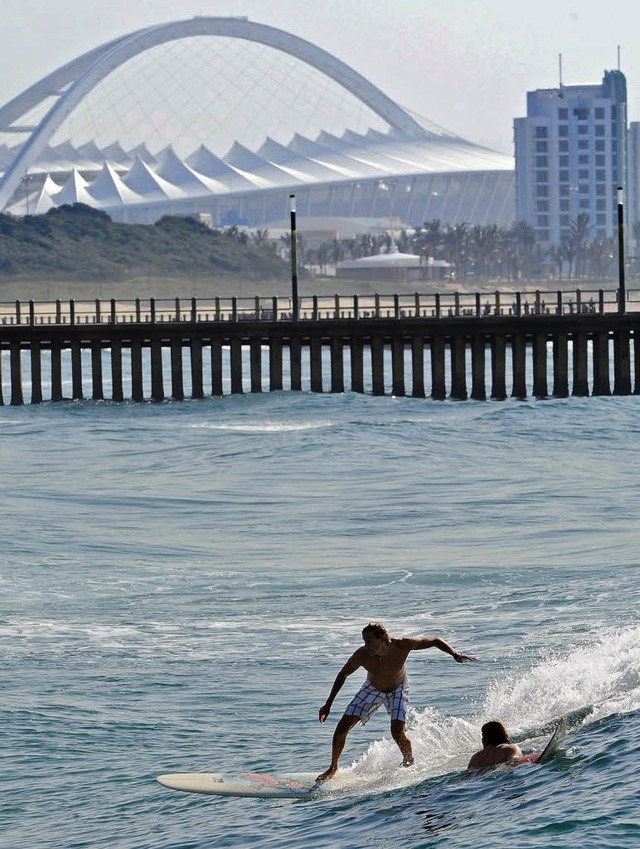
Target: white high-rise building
pixel 571 158
pixel 632 200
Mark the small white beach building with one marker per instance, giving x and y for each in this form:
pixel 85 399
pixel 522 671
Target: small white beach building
pixel 394 266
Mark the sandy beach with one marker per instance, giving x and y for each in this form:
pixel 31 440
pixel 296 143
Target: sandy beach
pixel 223 287
pixel 246 287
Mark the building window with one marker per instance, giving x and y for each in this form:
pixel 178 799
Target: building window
pixel 583 129
pixel 564 206
pixel 541 132
pixel 542 191
pixel 601 190
pixel 583 144
pixel 600 174
pixel 542 206
pixel 583 159
pixel 581 113
pixel 584 203
pixel 564 191
pixel 542 147
pixel 563 146
pixel 564 220
pixel 600 144
pixel 599 113
pixel 599 159
pixel 563 131
pixel 583 188
pixel 601 204
pixel 563 114
pixel 583 174
pixel 601 219
pixel 563 176
pixel 542 161
pixel 599 130
pixel 543 221
pixel 542 176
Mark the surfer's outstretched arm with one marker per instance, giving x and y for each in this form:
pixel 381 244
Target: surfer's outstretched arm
pixel 418 643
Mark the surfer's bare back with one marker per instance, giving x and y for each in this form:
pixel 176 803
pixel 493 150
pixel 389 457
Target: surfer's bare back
pixel 384 659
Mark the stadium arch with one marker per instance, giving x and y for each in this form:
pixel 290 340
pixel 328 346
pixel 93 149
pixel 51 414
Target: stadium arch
pixel 74 80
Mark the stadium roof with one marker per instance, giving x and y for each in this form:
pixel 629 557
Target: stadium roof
pixel 117 180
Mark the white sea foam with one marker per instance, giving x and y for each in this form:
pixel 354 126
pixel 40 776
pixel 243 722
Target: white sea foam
pixel 593 681
pixel 262 427
pixel 602 673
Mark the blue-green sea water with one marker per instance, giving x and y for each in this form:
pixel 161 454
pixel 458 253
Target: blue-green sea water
pixel 181 582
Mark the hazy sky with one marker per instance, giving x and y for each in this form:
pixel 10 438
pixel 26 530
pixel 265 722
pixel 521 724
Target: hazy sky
pixel 463 64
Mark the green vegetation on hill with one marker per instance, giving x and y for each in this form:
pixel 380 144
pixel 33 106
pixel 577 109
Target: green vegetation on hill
pixel 76 242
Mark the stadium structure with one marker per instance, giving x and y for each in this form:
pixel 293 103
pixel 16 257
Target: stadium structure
pixel 402 170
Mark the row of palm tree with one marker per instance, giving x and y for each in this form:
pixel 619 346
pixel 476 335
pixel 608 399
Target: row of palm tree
pixel 484 251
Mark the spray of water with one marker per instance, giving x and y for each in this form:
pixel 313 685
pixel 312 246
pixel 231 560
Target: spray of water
pixel 596 679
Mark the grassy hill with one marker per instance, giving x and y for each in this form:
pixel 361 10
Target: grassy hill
pixel 78 243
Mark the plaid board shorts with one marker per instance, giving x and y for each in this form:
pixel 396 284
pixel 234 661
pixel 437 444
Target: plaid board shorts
pixel 368 699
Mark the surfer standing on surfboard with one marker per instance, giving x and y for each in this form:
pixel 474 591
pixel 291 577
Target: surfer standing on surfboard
pixel 384 659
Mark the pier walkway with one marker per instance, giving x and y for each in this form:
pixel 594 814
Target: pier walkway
pixel 456 346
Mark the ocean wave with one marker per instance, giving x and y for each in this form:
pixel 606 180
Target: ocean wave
pixel 262 427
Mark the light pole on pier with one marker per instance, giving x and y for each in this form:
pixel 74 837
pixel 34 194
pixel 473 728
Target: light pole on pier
pixel 621 282
pixel 294 259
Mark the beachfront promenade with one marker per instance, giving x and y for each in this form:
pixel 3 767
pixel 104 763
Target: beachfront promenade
pixel 454 345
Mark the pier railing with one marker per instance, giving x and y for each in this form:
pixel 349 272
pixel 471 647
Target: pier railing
pixel 439 346
pixel 316 307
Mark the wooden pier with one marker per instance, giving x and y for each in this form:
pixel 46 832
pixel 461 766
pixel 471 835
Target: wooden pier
pixel 417 350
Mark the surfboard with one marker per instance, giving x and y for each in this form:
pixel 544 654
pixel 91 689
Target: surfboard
pixel 259 785
pixel 550 750
pixel 296 785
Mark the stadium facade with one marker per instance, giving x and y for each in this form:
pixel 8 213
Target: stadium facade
pixel 407 175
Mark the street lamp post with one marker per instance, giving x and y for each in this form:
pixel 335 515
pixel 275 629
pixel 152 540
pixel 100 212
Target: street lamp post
pixel 294 259
pixel 621 282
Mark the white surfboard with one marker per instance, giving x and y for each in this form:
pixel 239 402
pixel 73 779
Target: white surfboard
pixel 295 785
pixel 554 744
pixel 550 750
pixel 257 784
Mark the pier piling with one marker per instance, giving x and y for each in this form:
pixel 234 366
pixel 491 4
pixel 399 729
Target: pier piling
pixel 499 350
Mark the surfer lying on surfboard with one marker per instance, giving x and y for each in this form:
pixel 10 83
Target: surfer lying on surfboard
pixel 497 747
pixel 384 659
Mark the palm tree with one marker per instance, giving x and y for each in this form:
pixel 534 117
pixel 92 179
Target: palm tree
pixel 557 254
pixel 600 254
pixel 483 245
pixel 455 243
pixel 524 237
pixel 403 241
pixel 578 238
pixel 260 236
pixel 427 239
pixel 323 257
pixel 337 250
